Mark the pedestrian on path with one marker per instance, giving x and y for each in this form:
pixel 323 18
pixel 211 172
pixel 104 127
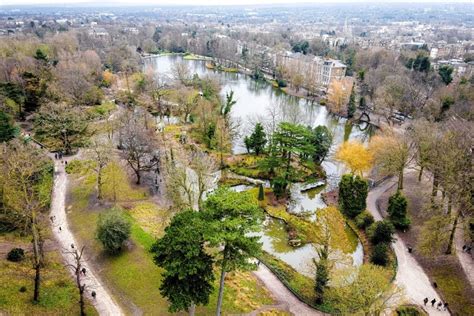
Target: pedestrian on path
pixel 60 228
pixel 445 306
pixel 94 294
pixel 433 301
pixel 439 306
pixel 425 300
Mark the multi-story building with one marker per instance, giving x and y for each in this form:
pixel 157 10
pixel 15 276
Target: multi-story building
pixel 318 71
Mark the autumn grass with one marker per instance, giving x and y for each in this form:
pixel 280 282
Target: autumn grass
pixel 132 276
pixel 58 294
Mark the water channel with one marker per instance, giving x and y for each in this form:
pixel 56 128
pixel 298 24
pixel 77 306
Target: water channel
pixel 255 101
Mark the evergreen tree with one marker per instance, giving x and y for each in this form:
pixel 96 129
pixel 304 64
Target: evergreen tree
pixel 188 277
pixel 381 232
pixel 446 72
pixel 397 210
pixel 7 129
pixel 322 274
pixel 379 254
pixel 353 192
pixel 257 140
pixel 231 218
pixel 321 140
pixel 261 193
pixel 351 106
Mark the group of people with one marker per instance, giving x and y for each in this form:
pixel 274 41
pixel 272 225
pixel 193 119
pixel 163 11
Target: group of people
pixel 440 306
pixel 59 156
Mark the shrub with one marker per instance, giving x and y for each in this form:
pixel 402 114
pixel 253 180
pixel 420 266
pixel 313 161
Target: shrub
pixel 281 83
pixel 16 255
pixel 381 232
pixel 112 230
pixel 23 289
pixel 261 194
pixel 364 220
pixel 409 311
pixel 352 195
pixel 380 254
pixel 397 210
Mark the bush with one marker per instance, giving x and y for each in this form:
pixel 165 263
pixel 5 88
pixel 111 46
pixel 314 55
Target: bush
pixel 397 210
pixel 23 289
pixel 381 232
pixel 409 311
pixel 281 83
pixel 16 255
pixel 364 220
pixel 380 254
pixel 352 195
pixel 112 230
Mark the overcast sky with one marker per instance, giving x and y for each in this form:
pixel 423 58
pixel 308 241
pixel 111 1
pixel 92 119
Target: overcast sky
pixel 210 2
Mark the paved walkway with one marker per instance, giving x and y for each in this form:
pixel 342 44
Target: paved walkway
pixel 104 303
pixel 465 259
pixel 410 274
pixel 285 299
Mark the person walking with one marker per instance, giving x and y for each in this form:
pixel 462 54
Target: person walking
pixel 433 301
pixel 445 306
pixel 440 305
pixel 425 300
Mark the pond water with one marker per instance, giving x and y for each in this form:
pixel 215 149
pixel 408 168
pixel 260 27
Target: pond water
pixel 255 101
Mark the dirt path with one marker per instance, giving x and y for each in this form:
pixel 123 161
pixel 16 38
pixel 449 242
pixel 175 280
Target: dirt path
pixel 465 259
pixel 104 303
pixel 285 299
pixel 410 275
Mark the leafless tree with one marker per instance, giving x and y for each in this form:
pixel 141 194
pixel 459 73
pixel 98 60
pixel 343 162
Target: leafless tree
pixel 79 273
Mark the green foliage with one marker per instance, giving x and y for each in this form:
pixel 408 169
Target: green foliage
pixel 301 47
pixel 40 55
pixel 35 88
pixel 322 274
pixel 16 255
pixel 261 193
pixel 353 192
pixel 421 63
pixel 379 254
pixel 7 128
pixel 364 220
pixel 188 277
pixel 397 210
pixel 257 140
pixel 281 83
pixel 409 311
pixel 351 106
pixel 112 230
pixel 381 232
pixel 321 139
pixel 445 73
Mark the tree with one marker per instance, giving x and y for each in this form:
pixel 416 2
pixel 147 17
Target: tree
pixel 445 73
pixel 321 140
pixel 61 126
pixel 257 140
pixel 26 188
pixel 7 127
pixel 187 100
pixel 76 268
pixel 322 273
pixel 397 210
pixel 379 254
pixel 112 230
pixel 231 218
pixel 139 147
pixel 381 232
pixel 351 106
pixel 338 94
pixel 181 72
pixel 188 277
pixel 370 293
pixel 392 153
pixel 353 192
pixel 101 153
pixel 355 156
pixel 423 135
pixel 261 193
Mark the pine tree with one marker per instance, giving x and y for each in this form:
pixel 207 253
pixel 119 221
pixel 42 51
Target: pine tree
pixel 351 107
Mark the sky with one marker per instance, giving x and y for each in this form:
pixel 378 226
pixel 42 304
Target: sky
pixel 211 2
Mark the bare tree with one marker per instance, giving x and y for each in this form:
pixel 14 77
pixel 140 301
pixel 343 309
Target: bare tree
pixel 101 153
pixel 79 272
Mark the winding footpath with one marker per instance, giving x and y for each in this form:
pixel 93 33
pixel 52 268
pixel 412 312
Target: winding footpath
pixel 285 299
pixel 410 274
pixel 104 303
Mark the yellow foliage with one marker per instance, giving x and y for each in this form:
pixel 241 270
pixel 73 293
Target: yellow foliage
pixel 338 96
pixel 116 185
pixel 150 217
pixel 357 158
pixel 107 77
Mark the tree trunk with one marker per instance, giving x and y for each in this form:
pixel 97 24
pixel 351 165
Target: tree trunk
pixel 37 257
pixel 449 250
pixel 221 286
pixel 434 192
pixel 400 180
pixel 192 309
pixel 99 184
pixel 420 174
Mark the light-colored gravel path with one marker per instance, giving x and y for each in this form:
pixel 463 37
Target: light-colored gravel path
pixel 410 274
pixel 104 303
pixel 285 299
pixel 465 259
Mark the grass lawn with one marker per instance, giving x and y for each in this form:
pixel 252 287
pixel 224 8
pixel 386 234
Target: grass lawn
pixel 58 293
pixel 132 276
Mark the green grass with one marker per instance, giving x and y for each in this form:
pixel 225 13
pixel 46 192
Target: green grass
pixel 132 275
pixel 58 293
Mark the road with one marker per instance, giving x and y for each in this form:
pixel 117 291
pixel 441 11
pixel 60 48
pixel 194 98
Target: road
pixel 104 303
pixel 410 274
pixel 285 299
